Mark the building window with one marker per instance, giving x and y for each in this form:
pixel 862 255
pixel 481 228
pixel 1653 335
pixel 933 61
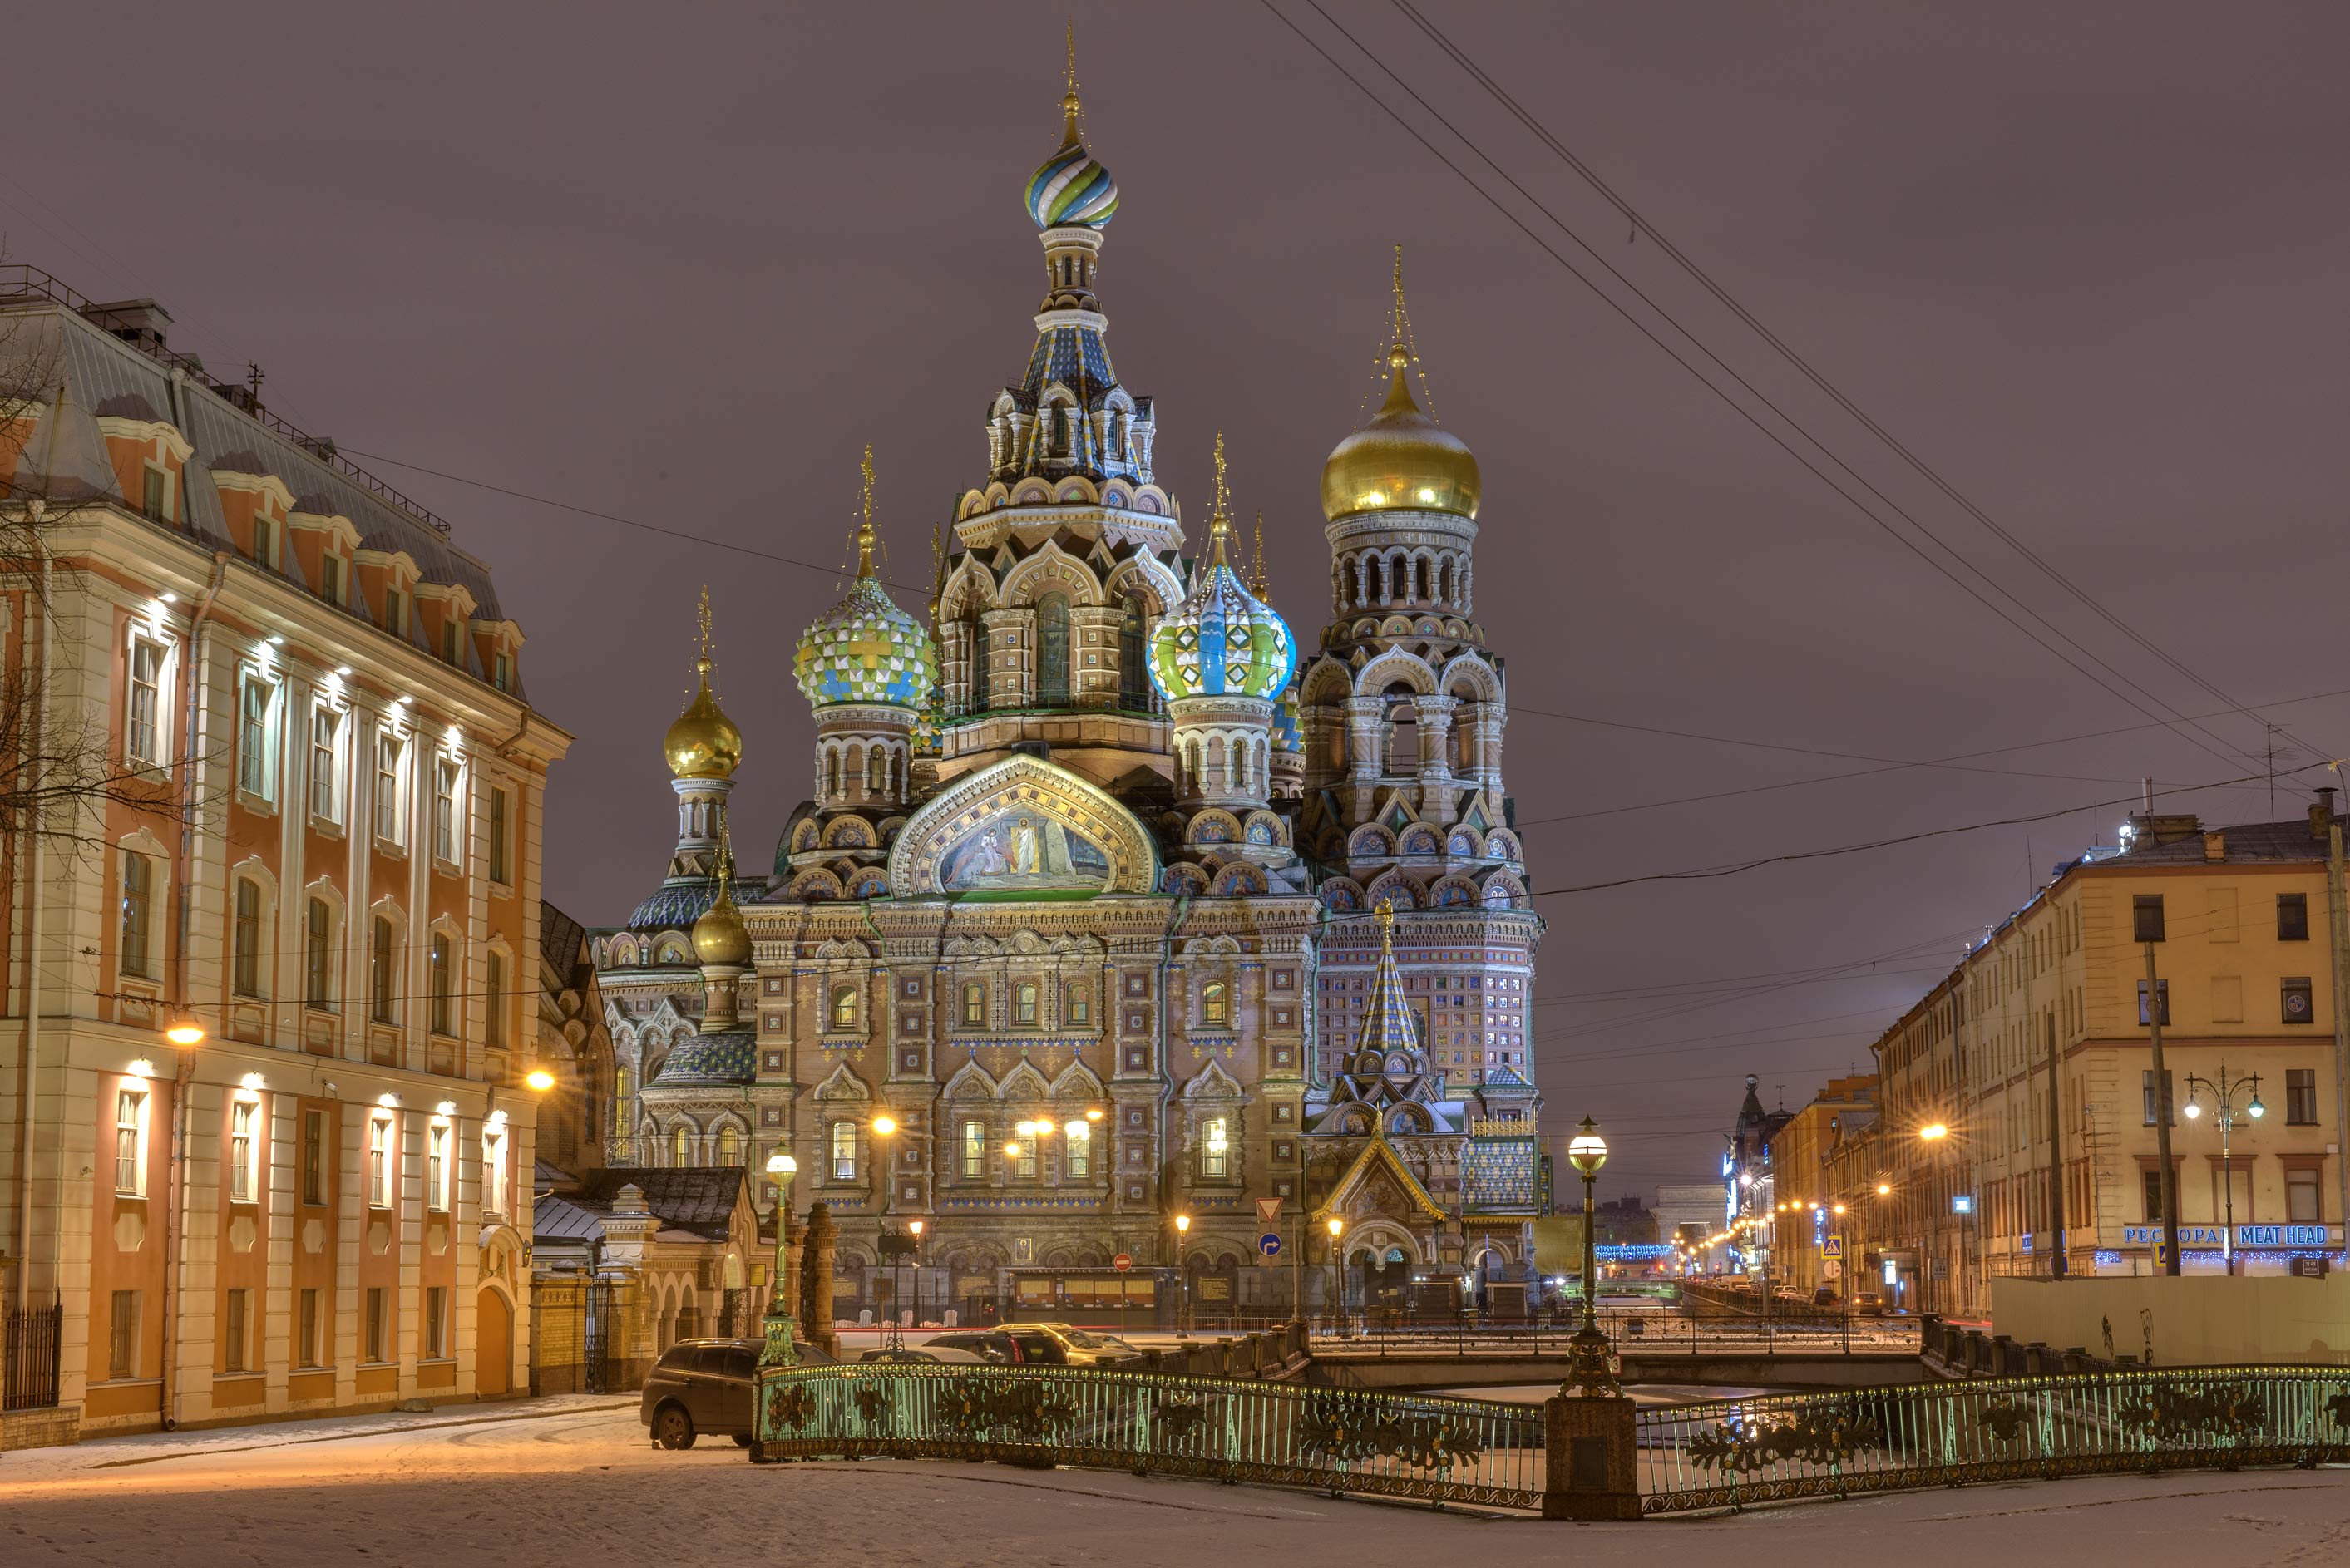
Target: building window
pixel 730 1146
pixel 1024 1004
pixel 306 1339
pixel 326 800
pixel 444 997
pixel 317 956
pixel 131 1142
pixel 436 1321
pixel 2304 1200
pixel 436 1168
pixel 265 543
pixel 499 805
pixel 449 636
pixel 2145 918
pixel 314 1157
pixel 493 981
pixel 502 673
pixel 388 817
pixel 143 736
pixel 1076 1004
pixel 382 991
pixel 1053 651
pixel 155 495
pixel 2293 916
pixel 1133 679
pixel 1080 1135
pixel 844 1151
pixel 444 810
pixel 680 1147
pixel 2162 992
pixel 2150 1186
pixel 974 1150
pixel 493 1172
pixel 137 914
pixel 378 1321
pixel 235 1334
pixel 974 1005
pixel 244 1152
pixel 395 613
pixel 844 1007
pixel 978 670
pixel 244 967
pixel 1216 1004
pixel 2300 1096
pixel 2296 1000
pixel 1215 1150
pixel 256 766
pixel 122 1336
pixel 330 579
pixel 379 1162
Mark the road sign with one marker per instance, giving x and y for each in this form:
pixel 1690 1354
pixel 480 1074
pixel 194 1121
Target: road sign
pixel 1831 1247
pixel 1268 1211
pixel 1831 1269
pixel 1269 1244
pixel 1123 1263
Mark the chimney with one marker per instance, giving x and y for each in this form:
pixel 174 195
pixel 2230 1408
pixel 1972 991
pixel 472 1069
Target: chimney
pixel 2215 846
pixel 2321 816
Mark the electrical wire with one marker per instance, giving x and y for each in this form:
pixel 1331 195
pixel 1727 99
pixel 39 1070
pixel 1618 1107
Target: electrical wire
pixel 1810 372
pixel 2217 745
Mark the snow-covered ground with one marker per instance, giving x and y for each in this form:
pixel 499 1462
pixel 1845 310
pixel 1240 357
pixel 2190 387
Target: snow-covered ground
pixel 573 1482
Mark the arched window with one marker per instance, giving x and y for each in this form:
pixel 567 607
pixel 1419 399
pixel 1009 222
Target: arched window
pixel 1053 651
pixel 620 1091
pixel 974 1150
pixel 844 1151
pixel 1023 1002
pixel 1080 1157
pixel 680 1147
pixel 832 772
pixel 317 955
pixel 979 682
pixel 876 770
pixel 383 987
pixel 1403 737
pixel 1133 677
pixel 442 985
pixel 1215 1150
pixel 1076 1004
pixel 1215 1004
pixel 974 1005
pixel 730 1146
pixel 844 1007
pixel 245 971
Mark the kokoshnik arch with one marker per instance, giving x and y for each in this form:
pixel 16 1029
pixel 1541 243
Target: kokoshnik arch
pixel 1095 834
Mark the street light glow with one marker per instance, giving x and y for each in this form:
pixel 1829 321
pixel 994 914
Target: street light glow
pixel 539 1079
pixel 782 1164
pixel 884 1126
pixel 1933 1131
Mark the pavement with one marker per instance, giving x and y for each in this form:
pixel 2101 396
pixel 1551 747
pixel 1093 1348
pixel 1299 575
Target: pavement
pixel 575 1483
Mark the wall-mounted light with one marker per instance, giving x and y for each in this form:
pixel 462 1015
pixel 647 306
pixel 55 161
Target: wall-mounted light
pixel 142 1068
pixel 170 597
pixel 388 1100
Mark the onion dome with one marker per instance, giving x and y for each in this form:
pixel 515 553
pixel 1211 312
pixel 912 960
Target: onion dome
pixel 1400 462
pixel 865 649
pixel 1222 641
pixel 702 741
pixel 1072 187
pixel 719 936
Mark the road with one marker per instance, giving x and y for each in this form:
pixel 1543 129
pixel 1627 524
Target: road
pixel 580 1488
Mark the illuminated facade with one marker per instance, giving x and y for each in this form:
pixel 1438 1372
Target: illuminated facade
pixel 1094 845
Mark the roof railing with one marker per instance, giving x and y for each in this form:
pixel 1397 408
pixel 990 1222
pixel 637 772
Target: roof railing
pixel 19 282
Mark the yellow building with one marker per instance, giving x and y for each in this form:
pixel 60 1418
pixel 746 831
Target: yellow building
pixel 1805 1227
pixel 2036 1055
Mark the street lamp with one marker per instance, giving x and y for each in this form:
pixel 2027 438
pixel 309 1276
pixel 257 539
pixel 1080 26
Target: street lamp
pixel 1586 1367
pixel 1337 1275
pixel 182 1029
pixel 779 1325
pixel 1183 1276
pixel 2223 1098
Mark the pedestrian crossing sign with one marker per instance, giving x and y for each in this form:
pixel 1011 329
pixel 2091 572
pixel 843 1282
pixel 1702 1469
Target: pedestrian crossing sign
pixel 1831 1247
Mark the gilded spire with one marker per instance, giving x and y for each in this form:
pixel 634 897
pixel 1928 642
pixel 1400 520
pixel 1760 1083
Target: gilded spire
pixel 865 526
pixel 1220 521
pixel 703 743
pixel 1258 584
pixel 721 938
pixel 938 570
pixel 1069 105
pixel 1400 350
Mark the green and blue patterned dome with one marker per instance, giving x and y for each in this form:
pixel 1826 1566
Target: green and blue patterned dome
pixel 1072 186
pixel 865 649
pixel 1222 641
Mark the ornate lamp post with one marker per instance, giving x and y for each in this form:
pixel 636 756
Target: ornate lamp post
pixel 1337 1275
pixel 1587 1369
pixel 2223 1098
pixel 1183 1273
pixel 778 1350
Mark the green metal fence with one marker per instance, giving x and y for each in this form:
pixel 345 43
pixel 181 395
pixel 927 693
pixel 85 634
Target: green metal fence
pixel 1333 1440
pixel 1742 1451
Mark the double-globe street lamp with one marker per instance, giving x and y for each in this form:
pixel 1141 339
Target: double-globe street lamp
pixel 2223 1098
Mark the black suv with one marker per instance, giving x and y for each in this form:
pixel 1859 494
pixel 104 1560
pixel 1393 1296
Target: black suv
pixel 703 1387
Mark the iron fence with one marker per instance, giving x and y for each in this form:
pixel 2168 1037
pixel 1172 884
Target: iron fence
pixel 1326 1439
pixel 1742 1451
pixel 33 1339
pixel 1636 1332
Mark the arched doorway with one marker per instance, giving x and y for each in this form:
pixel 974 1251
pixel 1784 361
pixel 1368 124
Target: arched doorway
pixel 1381 1288
pixel 492 1346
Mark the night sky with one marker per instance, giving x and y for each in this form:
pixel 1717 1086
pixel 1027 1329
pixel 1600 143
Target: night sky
pixel 677 264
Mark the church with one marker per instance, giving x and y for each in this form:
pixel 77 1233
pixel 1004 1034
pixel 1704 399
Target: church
pixel 1115 905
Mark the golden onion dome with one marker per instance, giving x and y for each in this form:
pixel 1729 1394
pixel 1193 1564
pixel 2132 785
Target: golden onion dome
pixel 702 741
pixel 719 936
pixel 1400 462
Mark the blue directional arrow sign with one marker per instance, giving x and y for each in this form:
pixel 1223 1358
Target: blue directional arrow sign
pixel 1269 1244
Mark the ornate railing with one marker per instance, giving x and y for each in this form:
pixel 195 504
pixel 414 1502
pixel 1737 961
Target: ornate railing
pixel 1742 1451
pixel 1329 1439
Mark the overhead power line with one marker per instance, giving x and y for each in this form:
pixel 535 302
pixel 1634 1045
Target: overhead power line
pixel 2215 744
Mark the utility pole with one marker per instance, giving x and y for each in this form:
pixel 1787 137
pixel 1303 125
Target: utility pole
pixel 2057 1268
pixel 2338 926
pixel 2147 920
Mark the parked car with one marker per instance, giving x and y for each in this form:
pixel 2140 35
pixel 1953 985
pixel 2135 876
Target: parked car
pixel 923 1356
pixel 1825 1296
pixel 702 1387
pixel 1034 1344
pixel 1103 1348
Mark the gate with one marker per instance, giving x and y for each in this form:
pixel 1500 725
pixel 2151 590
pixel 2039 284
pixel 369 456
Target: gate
pixel 30 1381
pixel 575 1325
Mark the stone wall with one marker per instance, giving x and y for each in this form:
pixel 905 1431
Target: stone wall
pixel 2195 1320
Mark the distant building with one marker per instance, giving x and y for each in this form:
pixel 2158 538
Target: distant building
pixel 1803 1227
pixel 1690 1214
pixel 1747 1186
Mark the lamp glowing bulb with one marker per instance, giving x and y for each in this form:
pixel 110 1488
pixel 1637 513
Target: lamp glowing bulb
pixel 539 1079
pixel 2194 1111
pixel 782 1164
pixel 1933 1131
pixel 1182 1224
pixel 184 1030
pixel 884 1126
